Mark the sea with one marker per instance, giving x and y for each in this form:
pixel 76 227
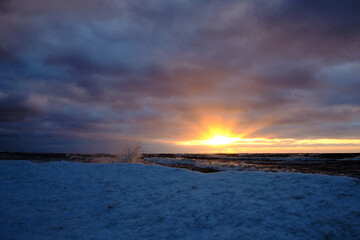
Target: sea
pixel 346 164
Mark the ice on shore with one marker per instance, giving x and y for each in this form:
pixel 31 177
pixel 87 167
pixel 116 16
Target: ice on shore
pixel 64 200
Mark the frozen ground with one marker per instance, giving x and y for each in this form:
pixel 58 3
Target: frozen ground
pixel 67 200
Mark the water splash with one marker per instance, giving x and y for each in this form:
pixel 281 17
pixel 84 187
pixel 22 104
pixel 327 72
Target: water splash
pixel 128 154
pixel 132 154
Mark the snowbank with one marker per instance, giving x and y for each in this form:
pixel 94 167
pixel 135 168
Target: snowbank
pixel 63 200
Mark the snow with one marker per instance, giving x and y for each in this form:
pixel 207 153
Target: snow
pixel 67 200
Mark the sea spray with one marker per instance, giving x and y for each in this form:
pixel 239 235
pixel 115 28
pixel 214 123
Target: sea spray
pixel 131 153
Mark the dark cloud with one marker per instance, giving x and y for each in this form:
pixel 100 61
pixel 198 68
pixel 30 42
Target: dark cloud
pixel 4 56
pixel 328 30
pixel 338 19
pixel 4 5
pixel 17 108
pixel 85 72
pixel 84 65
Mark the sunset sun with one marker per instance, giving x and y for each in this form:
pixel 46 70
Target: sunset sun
pixel 214 135
pixel 220 140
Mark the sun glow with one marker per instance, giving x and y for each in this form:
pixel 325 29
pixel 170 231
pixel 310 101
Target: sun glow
pixel 215 136
pixel 214 132
pixel 219 135
pixel 216 140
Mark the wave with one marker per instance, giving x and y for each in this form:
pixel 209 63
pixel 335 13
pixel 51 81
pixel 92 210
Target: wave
pixel 130 154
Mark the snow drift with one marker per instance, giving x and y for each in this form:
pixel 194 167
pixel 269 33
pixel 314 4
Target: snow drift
pixel 64 200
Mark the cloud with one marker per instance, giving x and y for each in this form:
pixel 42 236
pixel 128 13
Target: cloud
pixel 155 70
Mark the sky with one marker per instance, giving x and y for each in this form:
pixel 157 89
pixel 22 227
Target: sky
pixel 180 75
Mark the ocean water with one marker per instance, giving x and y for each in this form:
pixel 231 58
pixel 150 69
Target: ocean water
pixel 329 163
pixel 347 164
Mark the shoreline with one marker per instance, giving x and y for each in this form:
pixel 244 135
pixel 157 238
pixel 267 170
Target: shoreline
pixel 328 164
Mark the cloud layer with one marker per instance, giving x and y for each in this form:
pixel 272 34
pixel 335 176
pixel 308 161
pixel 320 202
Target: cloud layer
pixel 75 74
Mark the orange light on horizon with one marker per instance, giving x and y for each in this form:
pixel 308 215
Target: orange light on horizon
pixel 225 140
pixel 216 140
pixel 214 132
pixel 219 134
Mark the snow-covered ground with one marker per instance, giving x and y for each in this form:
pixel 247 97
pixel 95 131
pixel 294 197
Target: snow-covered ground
pixel 64 200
